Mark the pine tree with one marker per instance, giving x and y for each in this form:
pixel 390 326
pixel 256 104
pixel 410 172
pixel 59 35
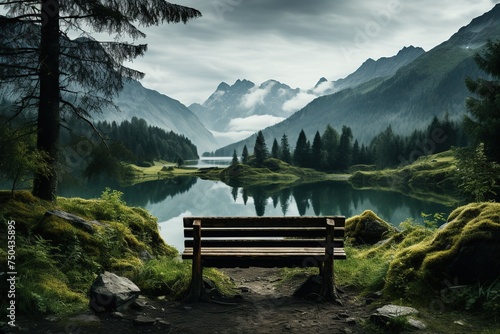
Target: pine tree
pixel 235 160
pixel 355 153
pixel 483 124
pixel 244 155
pixel 330 142
pixel 54 74
pixel 316 152
pixel 260 149
pixel 345 148
pixel 301 154
pixel 286 155
pixel 275 150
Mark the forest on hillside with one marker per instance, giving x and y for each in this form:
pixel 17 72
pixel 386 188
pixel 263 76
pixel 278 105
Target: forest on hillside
pixel 335 152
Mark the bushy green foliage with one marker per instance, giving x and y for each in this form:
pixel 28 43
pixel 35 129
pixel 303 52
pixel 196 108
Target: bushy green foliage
pixel 19 157
pixel 478 176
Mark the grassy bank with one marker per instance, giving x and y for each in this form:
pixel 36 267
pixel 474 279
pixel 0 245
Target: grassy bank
pixel 429 178
pixel 274 171
pixel 57 261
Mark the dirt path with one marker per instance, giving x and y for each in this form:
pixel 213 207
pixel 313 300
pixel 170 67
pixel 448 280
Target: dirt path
pixel 265 306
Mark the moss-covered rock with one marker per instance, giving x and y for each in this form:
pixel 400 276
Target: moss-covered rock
pixel 367 228
pixel 465 251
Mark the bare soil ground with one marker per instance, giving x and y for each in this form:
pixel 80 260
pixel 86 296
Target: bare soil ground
pixel 265 305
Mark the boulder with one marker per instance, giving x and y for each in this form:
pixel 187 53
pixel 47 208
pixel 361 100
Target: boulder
pixel 367 228
pixel 110 292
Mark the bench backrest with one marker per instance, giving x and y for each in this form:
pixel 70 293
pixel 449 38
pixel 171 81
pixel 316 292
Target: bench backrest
pixel 266 232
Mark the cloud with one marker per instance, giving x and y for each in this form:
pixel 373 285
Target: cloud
pixel 256 96
pixel 298 102
pixel 253 123
pixel 226 138
pixel 292 41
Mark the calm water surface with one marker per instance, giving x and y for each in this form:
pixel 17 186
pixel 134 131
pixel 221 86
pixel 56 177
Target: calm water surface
pixel 172 199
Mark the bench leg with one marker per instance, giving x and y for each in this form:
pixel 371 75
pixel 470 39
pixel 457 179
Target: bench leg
pixel 196 281
pixel 196 288
pixel 328 291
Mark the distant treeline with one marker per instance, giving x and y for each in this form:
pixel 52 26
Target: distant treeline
pixel 131 141
pixel 148 143
pixel 334 152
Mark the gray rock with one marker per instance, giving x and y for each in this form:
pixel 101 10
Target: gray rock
pixel 144 321
pixel 79 222
pixel 417 324
pixel 145 256
pixel 140 303
pixel 394 311
pixel 111 292
pixel 118 315
pixel 387 312
pixel 164 323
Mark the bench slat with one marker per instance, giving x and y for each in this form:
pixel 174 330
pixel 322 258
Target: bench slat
pixel 245 232
pixel 270 260
pixel 245 253
pixel 278 243
pixel 264 221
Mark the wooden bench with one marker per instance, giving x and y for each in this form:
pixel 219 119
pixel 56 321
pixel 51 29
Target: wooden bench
pixel 242 242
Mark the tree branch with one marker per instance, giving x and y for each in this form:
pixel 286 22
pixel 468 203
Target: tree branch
pixel 89 122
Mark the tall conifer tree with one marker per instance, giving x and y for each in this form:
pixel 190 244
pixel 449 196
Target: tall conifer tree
pixel 483 124
pixel 52 74
pixel 260 149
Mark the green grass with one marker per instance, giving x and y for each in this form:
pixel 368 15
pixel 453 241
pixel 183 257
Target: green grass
pixel 160 170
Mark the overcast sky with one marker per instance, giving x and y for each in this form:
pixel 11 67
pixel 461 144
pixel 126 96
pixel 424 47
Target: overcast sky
pixel 293 41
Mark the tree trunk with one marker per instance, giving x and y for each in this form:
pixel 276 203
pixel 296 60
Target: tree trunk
pixel 45 186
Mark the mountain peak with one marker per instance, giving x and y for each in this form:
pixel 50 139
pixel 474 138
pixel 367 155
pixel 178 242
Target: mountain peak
pixel 320 81
pixel 224 87
pixel 242 84
pixel 410 49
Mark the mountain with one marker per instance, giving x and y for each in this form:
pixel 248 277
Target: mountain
pixel 383 67
pixel 241 100
pixel 234 112
pixel 431 85
pixel 161 111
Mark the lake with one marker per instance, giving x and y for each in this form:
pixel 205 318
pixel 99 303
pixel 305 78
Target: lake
pixel 172 199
